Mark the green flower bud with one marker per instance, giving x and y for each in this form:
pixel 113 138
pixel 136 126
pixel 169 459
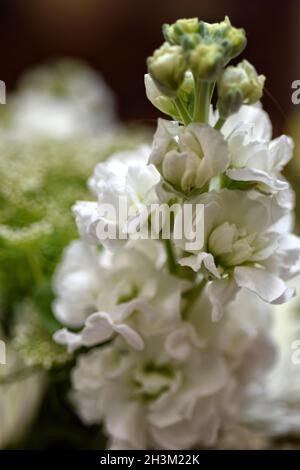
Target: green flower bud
pixel 237 41
pixel 238 85
pixel 174 33
pixel 232 39
pixel 252 84
pixel 230 103
pixel 166 104
pixel 167 67
pixel 206 61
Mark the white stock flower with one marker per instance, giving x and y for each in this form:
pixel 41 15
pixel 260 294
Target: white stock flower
pixel 127 294
pixel 78 282
pixel 242 250
pixel 183 388
pixel 188 156
pixel 124 182
pixel 253 157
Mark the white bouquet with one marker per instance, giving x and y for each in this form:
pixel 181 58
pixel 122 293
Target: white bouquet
pixel 172 297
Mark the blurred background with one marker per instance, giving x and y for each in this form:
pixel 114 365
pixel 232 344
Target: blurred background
pixel 116 36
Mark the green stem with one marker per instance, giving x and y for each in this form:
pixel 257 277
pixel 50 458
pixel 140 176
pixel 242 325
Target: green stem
pixel 191 296
pixel 202 100
pixel 182 111
pixel 171 258
pixel 34 266
pixel 219 123
pixel 211 90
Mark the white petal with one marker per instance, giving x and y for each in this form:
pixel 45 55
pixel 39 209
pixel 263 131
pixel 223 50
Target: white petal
pixel 252 174
pixel 195 262
pixel 220 293
pixel 265 284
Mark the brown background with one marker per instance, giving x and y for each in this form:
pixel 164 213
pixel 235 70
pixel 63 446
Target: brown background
pixel 115 37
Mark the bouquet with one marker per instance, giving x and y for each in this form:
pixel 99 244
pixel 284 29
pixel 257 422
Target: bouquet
pixel 165 301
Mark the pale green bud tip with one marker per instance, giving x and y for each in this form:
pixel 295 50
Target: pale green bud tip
pixel 206 61
pixel 239 85
pixel 167 67
pixel 232 39
pixel 173 33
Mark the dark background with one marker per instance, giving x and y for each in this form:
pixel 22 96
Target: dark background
pixel 116 36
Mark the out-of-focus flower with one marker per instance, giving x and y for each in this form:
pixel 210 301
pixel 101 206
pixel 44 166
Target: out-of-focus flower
pixel 182 388
pixel 61 99
pixel 124 183
pixel 276 405
pixel 127 295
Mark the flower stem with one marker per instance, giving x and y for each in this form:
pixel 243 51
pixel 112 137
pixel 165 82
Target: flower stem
pixel 171 258
pixel 219 123
pixel 182 111
pixel 202 100
pixel 191 296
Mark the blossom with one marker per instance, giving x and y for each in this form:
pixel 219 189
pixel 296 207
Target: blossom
pixel 155 398
pixel 241 249
pixel 188 157
pixel 131 296
pixel 122 183
pixel 254 158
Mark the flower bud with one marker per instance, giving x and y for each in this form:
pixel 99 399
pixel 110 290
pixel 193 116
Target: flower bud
pixel 167 67
pixel 166 104
pixel 239 85
pixel 206 61
pixel 232 39
pixel 173 33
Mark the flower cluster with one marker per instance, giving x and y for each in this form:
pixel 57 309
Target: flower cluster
pixel 178 333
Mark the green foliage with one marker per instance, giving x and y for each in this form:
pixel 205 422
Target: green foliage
pixel 40 180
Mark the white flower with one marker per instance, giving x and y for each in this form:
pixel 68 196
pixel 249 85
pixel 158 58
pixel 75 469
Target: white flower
pixel 253 117
pixel 166 104
pixel 61 100
pixel 122 182
pixel 242 250
pixel 181 390
pixel 253 157
pixel 188 156
pixel 132 296
pixel 78 282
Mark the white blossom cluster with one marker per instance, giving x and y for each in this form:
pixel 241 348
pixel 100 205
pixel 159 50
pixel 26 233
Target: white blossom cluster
pixel 176 336
pixel 58 100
